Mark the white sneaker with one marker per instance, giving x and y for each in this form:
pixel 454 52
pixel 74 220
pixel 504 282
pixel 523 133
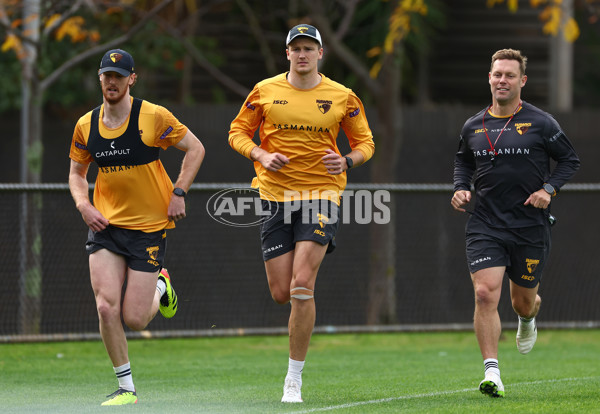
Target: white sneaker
pixel 492 385
pixel 526 336
pixel 291 392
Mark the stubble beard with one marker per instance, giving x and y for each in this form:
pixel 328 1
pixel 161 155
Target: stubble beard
pixel 112 100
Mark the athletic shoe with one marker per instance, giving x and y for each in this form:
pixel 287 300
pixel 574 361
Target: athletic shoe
pixel 526 336
pixel 121 397
pixel 291 392
pixel 168 301
pixel 492 385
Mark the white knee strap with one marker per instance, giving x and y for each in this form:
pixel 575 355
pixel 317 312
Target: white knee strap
pixel 301 293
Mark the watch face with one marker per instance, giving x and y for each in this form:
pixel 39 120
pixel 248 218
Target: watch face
pixel 549 189
pixel 179 192
pixel 349 162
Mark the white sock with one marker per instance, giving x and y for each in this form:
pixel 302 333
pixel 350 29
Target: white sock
pixel 124 376
pixel 491 365
pixel 525 320
pixel 161 286
pixel 295 370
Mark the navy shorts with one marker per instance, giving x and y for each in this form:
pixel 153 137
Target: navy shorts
pixel 316 220
pixel 523 251
pixel 144 252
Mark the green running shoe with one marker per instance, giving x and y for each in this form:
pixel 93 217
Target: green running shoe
pixel 121 397
pixel 492 386
pixel 168 301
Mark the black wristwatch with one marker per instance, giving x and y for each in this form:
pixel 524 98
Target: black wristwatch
pixel 349 162
pixel 179 192
pixel 549 189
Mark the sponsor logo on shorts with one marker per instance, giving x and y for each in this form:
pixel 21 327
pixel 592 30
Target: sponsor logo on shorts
pixel 320 232
pixel 272 249
pixel 481 260
pixel 528 277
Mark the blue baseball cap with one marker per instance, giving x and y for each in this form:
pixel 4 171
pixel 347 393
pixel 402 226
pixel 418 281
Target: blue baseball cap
pixel 117 60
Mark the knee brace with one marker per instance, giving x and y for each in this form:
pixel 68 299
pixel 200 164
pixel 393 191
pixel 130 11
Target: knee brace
pixel 302 293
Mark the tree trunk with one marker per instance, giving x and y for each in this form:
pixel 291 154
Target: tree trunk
pixel 30 278
pixel 381 306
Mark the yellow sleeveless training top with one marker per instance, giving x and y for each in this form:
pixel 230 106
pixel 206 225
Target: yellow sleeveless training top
pixel 133 197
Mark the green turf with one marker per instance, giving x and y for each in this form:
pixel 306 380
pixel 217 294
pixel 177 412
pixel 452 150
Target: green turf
pixel 363 373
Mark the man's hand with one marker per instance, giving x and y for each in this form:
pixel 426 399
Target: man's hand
pixel 459 199
pixel 92 217
pixel 539 199
pixel 272 161
pixel 176 209
pixel 334 162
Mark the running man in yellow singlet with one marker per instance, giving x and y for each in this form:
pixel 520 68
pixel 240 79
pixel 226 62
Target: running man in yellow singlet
pixel 300 174
pixel 134 203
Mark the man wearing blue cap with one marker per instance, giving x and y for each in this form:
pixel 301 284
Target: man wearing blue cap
pixel 134 203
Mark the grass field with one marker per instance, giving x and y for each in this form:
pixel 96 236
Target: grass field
pixel 362 373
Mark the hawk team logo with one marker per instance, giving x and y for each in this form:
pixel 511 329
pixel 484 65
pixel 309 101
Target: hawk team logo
pixel 322 220
pixel 152 252
pixel 522 128
pixel 531 265
pixel 115 57
pixel 303 29
pixel 324 106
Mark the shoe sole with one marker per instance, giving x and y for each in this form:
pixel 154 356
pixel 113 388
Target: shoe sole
pixel 168 311
pixel 490 388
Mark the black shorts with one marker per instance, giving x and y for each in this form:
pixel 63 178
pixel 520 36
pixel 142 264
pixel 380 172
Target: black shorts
pixel 144 252
pixel 315 220
pixel 523 251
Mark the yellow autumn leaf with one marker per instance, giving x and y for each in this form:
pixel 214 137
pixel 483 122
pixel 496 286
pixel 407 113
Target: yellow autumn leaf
pixel 50 20
pixel 191 5
pixel 94 36
pixel 374 72
pixel 536 3
pixel 374 51
pixel 12 42
pixel 8 43
pixel 492 3
pixel 72 27
pixel 571 30
pixel 552 16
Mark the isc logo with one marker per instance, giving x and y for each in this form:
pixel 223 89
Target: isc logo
pixel 320 232
pixel 527 277
pixel 241 207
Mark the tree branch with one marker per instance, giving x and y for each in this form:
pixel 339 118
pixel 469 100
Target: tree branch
pixel 342 51
pixel 63 17
pixel 201 61
pixel 50 79
pixel 256 30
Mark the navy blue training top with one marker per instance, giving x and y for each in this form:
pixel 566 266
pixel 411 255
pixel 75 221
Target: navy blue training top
pixel 520 167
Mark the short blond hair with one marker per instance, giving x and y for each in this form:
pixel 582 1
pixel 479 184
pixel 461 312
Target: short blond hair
pixel 510 54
